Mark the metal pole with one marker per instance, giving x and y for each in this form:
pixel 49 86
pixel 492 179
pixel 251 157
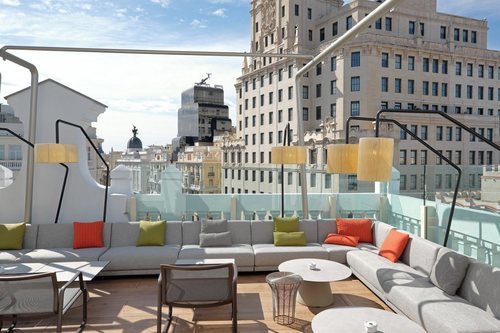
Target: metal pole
pixel 378 12
pixel 30 169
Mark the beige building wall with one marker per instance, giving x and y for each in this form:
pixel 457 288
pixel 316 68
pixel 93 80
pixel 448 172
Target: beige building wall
pixel 331 92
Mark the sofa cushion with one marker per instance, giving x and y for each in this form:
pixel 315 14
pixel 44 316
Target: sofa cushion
pixel 139 258
pixel 240 232
pixel 376 269
pixel 420 254
pixel 151 233
pixel 338 253
pixel 63 254
pixel 11 256
pixel 286 224
pixel 262 231
pixel 12 236
pixel 342 240
pixel 361 228
pixel 394 245
pixel 241 253
pixel 297 238
pixel 326 227
pixel 61 235
pixel 436 311
pixel 481 287
pixel 88 234
pixel 380 230
pixel 215 239
pixel 125 234
pixel 449 270
pixel 213 226
pixel 270 256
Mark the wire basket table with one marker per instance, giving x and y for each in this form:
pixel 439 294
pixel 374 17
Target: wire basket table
pixel 284 286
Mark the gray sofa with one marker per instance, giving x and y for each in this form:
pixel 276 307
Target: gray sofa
pixel 406 286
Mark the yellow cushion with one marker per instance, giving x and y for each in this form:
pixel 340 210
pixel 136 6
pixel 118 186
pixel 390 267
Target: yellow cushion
pixel 286 224
pixel 151 233
pixel 289 238
pixel 12 236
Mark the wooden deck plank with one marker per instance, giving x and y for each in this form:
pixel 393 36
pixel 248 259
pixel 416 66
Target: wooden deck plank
pixel 128 305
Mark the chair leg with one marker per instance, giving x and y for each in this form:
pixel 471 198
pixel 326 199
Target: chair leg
pixel 158 317
pixel 13 324
pixel 169 319
pixel 235 318
pixel 85 296
pixel 59 322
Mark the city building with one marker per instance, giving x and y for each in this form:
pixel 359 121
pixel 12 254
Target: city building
pixel 10 146
pixel 146 164
pixel 413 58
pixel 201 115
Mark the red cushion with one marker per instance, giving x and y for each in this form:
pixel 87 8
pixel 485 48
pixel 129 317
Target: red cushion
pixel 87 234
pixel 341 240
pixel 361 228
pixel 394 245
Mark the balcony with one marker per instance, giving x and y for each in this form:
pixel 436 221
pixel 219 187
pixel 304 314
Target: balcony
pixel 14 165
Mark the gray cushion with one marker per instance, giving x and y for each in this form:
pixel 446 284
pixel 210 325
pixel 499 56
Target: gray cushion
pixel 270 256
pixel 240 232
pixel 420 254
pixel 213 226
pixel 380 230
pixel 63 254
pixel 449 270
pixel 481 287
pixel 376 269
pixel 191 232
pixel 139 257
pixel 241 253
pixel 326 227
pixel 30 235
pixel 437 311
pixel 338 252
pixel 215 239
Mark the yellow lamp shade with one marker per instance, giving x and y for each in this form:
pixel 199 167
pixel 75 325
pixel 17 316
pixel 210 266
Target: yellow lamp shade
pixel 56 153
pixel 288 155
pixel 375 159
pixel 342 158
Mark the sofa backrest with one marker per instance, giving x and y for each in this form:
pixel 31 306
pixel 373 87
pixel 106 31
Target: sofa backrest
pixel 481 287
pixel 420 254
pixel 240 232
pixel 380 230
pixel 262 231
pixel 30 234
pixel 126 234
pixel 325 227
pixel 52 236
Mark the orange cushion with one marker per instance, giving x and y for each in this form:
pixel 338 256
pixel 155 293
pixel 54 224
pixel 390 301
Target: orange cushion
pixel 394 245
pixel 87 234
pixel 361 228
pixel 341 240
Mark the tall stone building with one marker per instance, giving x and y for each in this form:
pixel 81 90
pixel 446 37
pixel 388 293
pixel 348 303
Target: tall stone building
pixel 415 57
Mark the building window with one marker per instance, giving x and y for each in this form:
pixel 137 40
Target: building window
pixel 296 10
pixel 472 157
pixel 355 108
pixel 290 92
pixel 435 87
pixel 313 180
pixel 402 182
pixel 290 178
pixel 425 88
pixel 413 182
pixel 335 29
pixel 333 87
pixel 444 67
pixel 456 34
pixel 328 180
pixel 413 157
pixel 352 183
pixel 310 35
pixel 305 92
pixel 473 37
pixel 402 157
pixel 425 65
pixel 348 22
pixel 422 29
pixel 458 134
pixel 438 181
pixel 388 23
pixel 385 84
pixel 385 60
pixel 321 34
pixel 469 92
pixel 435 65
pixel 355 59
pixel 355 83
pixel 469 70
pixel 290 114
pixel 333 64
pixel 423 157
pixel 397 85
pixel 318 112
pixel 439 133
pixel 424 132
pixel 411 87
pixel 442 32
pixel 411 63
pixel 480 71
pixel 458 68
pixel 449 133
pixel 318 90
pixel 458 157
pixel 333 110
pixel 458 91
pixel 309 13
pixel 378 24
pixel 465 35
pixel 397 61
pixel 411 27
pixel 402 133
pixel 305 114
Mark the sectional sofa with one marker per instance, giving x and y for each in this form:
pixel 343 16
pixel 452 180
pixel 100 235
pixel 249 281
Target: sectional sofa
pixel 406 286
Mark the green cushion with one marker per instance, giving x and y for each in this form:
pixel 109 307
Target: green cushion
pixel 286 224
pixel 151 233
pixel 289 238
pixel 12 236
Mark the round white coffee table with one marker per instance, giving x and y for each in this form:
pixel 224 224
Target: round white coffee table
pixel 315 289
pixel 352 320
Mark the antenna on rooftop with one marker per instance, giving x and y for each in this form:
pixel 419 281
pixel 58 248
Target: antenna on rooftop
pixel 203 82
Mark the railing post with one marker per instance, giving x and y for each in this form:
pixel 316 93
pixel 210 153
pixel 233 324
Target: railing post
pixel 233 206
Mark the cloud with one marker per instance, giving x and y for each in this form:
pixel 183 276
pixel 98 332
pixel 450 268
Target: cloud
pixel 197 24
pixel 221 12
pixel 163 3
pixel 13 3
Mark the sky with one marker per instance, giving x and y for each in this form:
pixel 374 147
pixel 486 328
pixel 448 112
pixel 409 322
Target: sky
pixel 144 90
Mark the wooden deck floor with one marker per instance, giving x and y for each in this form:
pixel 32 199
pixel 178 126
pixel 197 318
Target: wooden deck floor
pixel 128 305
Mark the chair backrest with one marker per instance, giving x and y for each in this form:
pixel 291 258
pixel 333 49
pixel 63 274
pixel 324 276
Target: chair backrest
pixel 197 285
pixel 28 295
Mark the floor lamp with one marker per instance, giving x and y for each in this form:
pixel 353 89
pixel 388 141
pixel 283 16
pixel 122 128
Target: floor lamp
pixel 287 154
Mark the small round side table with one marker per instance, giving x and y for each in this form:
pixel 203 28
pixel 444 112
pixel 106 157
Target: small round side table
pixel 284 286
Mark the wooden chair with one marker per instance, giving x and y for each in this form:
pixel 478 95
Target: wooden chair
pixel 37 295
pixel 196 286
